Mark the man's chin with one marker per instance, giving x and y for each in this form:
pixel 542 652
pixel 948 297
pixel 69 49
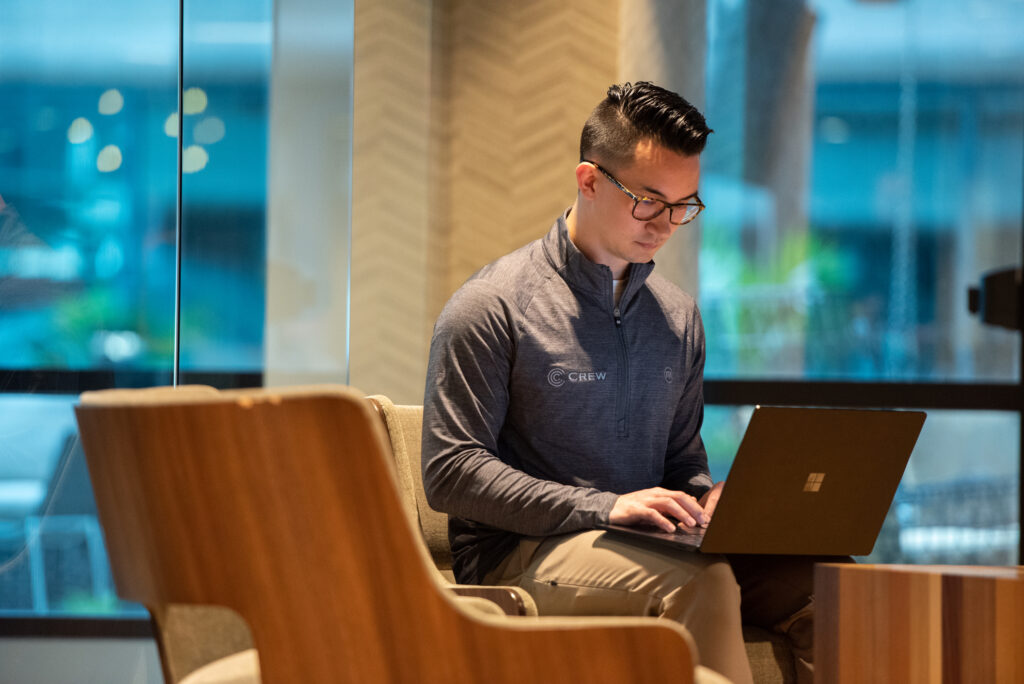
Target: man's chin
pixel 647 251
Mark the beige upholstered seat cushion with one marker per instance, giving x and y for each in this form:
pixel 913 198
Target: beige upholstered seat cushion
pixel 238 668
pixel 244 668
pixel 405 424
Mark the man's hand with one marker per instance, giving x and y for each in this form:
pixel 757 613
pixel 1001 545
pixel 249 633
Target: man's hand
pixel 710 499
pixel 651 505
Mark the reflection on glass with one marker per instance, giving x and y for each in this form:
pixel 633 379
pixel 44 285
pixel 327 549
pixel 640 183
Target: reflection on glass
pixel 858 182
pixel 88 174
pixel 111 102
pixel 87 184
pixel 171 125
pixel 79 131
pixel 87 197
pixel 224 186
pixel 109 159
pixel 959 497
pixel 209 130
pixel 52 556
pixel 958 500
pixel 193 159
pixel 194 101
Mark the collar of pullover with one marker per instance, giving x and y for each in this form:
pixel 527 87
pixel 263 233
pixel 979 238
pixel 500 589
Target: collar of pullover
pixel 583 273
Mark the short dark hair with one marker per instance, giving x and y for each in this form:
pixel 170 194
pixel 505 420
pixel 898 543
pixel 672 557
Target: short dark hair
pixel 633 112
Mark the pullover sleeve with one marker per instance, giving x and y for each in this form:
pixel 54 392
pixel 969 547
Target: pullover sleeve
pixel 465 403
pixel 686 461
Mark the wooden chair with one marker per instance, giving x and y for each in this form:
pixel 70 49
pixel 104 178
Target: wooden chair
pixel 282 506
pixel 188 637
pixel 771 659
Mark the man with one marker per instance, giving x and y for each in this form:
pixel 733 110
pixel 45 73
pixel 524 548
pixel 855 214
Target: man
pixel 565 389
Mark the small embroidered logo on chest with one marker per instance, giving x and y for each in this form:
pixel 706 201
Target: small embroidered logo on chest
pixel 668 375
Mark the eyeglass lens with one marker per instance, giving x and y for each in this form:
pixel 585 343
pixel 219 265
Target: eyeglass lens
pixel 646 209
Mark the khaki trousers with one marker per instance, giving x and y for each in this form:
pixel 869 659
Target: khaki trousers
pixel 596 573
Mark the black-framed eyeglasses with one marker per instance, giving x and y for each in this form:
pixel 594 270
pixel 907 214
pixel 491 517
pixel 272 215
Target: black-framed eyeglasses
pixel 647 208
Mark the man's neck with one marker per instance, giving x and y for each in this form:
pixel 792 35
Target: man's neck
pixel 572 221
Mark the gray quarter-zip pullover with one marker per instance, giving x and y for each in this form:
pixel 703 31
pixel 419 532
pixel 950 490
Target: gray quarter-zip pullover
pixel 545 400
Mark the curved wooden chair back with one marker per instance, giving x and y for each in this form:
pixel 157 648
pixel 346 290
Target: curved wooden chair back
pixel 282 506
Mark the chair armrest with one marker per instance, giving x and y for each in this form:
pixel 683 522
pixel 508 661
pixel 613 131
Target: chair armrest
pixel 480 606
pixel 512 600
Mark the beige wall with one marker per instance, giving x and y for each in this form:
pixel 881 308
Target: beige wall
pixel 467 117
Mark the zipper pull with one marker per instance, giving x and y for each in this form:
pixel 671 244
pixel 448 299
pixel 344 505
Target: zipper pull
pixel 618 320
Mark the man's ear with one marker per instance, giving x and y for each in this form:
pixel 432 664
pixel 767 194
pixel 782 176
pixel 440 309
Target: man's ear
pixel 586 179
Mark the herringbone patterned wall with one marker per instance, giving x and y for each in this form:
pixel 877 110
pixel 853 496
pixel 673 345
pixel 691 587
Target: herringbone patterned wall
pixel 467 122
pixel 524 76
pixel 391 189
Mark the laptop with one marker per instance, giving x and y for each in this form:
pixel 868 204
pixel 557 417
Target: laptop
pixel 805 481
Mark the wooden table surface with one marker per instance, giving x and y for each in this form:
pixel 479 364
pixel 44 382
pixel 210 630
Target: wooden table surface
pixel 919 623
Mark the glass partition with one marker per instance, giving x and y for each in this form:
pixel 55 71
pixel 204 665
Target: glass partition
pixel 88 239
pixel 866 169
pixel 227 48
pixel 87 234
pixel 87 185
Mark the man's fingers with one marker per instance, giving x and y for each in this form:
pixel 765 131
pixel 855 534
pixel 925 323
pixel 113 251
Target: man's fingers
pixel 711 503
pixel 709 510
pixel 660 521
pixel 653 505
pixel 710 499
pixel 668 505
pixel 694 511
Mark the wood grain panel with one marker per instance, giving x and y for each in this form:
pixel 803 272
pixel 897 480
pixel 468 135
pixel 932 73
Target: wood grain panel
pixel 983 628
pixel 919 624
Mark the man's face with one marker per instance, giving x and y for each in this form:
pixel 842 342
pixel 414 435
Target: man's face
pixel 616 239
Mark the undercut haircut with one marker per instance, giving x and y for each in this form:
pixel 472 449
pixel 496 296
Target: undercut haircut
pixel 632 112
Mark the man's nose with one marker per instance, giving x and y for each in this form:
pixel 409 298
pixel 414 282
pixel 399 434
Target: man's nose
pixel 660 224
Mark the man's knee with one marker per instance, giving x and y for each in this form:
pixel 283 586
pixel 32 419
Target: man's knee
pixel 718 580
pixel 712 590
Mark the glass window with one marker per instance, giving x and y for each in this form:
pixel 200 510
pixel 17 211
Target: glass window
pixel 87 185
pixel 958 502
pixel 224 184
pixel 865 170
pixel 52 557
pixel 87 224
pixel 88 201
